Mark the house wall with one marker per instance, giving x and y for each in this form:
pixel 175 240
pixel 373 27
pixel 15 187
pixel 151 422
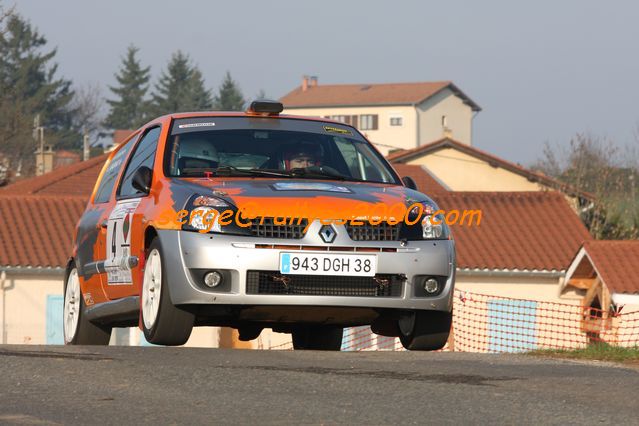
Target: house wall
pixel 489 321
pixel 386 137
pixel 462 172
pixel 23 307
pixel 31 313
pixel 459 117
pixel 516 287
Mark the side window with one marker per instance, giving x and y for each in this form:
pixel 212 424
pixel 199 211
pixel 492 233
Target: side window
pixel 143 155
pixel 107 183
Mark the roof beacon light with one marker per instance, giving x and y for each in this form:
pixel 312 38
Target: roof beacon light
pixel 265 107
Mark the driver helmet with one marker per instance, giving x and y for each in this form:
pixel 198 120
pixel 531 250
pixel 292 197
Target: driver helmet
pixel 197 153
pixel 302 154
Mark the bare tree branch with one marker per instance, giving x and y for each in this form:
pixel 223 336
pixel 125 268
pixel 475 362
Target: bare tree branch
pixel 88 108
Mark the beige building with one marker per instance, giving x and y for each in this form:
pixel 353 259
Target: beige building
pixel 392 116
pixel 456 166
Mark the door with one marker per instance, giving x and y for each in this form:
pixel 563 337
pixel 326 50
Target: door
pixel 123 238
pixel 512 325
pixel 55 332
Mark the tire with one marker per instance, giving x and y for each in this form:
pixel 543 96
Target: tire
pixel 77 329
pixel 163 323
pixel 317 337
pixel 425 330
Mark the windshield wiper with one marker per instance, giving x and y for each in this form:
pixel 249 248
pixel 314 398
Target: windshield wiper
pixel 234 171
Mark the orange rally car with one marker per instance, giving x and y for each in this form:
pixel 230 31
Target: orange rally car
pixel 257 220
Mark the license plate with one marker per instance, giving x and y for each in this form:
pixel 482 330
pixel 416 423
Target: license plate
pixel 362 265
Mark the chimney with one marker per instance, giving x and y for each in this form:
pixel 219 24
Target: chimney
pixel 304 83
pixel 44 160
pixel 313 81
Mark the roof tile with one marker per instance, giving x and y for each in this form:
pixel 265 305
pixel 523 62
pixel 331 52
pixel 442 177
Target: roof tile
pixel 75 179
pixel 368 94
pixel 616 263
pixel 518 230
pixel 37 230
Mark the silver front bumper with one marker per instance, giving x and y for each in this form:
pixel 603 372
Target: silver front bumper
pixel 184 250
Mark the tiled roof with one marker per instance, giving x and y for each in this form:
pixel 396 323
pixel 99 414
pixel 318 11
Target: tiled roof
pixel 518 230
pixel 410 154
pixel 616 263
pixel 37 230
pixel 425 182
pixel 369 94
pixel 121 135
pixel 76 179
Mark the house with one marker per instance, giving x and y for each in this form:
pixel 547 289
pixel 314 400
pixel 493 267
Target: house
pixel 460 167
pixel 521 248
pixel 604 275
pixel 392 116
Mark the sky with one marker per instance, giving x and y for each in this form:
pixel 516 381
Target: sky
pixel 541 71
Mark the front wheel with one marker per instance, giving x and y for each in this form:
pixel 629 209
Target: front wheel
pixel 77 329
pixel 317 337
pixel 425 330
pixel 163 322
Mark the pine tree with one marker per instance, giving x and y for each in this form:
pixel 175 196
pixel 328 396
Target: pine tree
pixel 200 96
pixel 180 88
pixel 130 108
pixel 29 86
pixel 229 97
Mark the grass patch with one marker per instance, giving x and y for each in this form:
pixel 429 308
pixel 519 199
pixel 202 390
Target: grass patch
pixel 600 352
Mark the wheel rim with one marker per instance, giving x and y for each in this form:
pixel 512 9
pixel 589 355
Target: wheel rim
pixel 151 288
pixel 71 306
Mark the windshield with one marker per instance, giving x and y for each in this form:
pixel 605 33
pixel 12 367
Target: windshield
pixel 277 153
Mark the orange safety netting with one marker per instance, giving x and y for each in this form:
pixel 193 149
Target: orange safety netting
pixel 485 323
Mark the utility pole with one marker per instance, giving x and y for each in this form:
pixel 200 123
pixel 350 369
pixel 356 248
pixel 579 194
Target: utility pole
pixel 85 144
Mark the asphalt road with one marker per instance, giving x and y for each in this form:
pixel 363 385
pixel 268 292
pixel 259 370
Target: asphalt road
pixel 124 385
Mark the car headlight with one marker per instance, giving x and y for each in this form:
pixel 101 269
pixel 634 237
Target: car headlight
pixel 204 212
pixel 433 225
pixel 201 218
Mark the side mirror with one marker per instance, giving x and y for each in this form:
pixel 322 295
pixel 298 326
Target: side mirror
pixel 409 182
pixel 142 179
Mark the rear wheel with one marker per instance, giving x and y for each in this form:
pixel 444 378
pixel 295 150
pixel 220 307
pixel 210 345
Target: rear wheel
pixel 317 337
pixel 163 322
pixel 425 330
pixel 77 329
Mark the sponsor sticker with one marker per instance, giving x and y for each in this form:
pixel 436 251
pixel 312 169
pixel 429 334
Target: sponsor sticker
pixel 309 186
pixel 332 129
pixel 188 126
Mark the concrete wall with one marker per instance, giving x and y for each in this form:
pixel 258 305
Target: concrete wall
pixel 458 118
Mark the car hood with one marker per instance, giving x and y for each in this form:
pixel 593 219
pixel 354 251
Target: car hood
pixel 326 197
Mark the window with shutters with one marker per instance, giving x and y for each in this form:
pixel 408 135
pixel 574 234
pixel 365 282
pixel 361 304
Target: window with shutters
pixel 368 122
pixel 346 119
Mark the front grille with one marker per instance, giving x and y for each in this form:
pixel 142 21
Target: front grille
pixel 292 228
pixel 368 232
pixel 272 282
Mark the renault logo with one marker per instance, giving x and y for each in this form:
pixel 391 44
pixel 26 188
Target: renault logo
pixel 328 234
